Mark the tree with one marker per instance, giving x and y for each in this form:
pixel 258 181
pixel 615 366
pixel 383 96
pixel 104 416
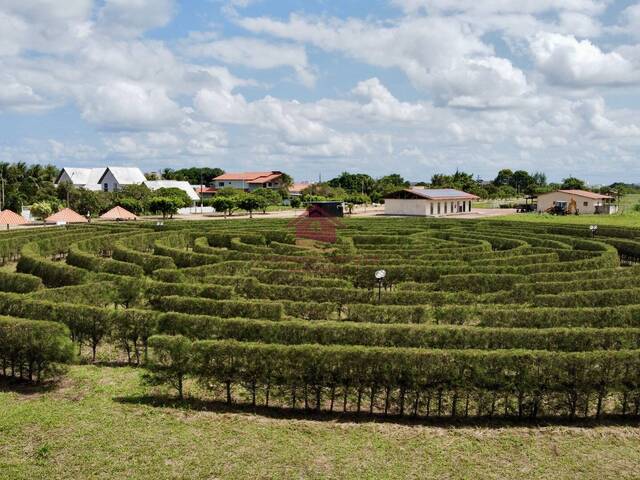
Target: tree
pixel 521 180
pixel 353 182
pixel 41 210
pixel 251 202
pixel 168 206
pixel 193 175
pixel 225 204
pixel 573 183
pixel 267 197
pixel 88 201
pixel 171 361
pixel 503 178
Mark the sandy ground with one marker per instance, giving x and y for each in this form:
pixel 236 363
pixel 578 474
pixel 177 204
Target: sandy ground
pixel 357 212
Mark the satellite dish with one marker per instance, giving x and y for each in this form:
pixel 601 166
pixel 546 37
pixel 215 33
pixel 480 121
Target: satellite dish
pixel 380 274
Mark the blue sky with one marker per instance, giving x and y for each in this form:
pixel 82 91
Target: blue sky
pixel 319 87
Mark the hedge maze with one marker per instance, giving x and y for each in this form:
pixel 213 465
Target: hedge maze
pixel 479 319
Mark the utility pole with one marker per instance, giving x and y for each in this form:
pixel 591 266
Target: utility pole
pixel 2 181
pixel 201 195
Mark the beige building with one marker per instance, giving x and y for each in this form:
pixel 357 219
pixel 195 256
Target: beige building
pixel 423 202
pixel 576 201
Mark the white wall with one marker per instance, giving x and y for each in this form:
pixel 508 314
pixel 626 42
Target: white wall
pixel 422 207
pixel 583 204
pixel 110 181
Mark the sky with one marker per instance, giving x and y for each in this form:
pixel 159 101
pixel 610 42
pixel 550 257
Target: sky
pixel 317 87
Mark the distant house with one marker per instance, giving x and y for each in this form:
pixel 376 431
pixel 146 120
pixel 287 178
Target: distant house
pixel 88 178
pixel 179 184
pixel 576 201
pixel 249 181
pixel 107 179
pixel 295 189
pixel 422 202
pixel 114 178
pixel 204 192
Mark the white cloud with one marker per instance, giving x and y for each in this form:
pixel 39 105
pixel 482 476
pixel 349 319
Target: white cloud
pixel 123 105
pixel 254 53
pixel 564 60
pixel 133 17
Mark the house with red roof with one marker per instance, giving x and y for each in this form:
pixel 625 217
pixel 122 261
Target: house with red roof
pixel 577 201
pixel 249 181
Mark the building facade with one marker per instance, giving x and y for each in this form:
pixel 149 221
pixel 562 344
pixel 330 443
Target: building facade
pixel 576 201
pixel 424 202
pixel 249 181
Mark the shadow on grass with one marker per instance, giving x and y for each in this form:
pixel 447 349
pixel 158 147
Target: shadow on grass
pixel 287 413
pixel 26 387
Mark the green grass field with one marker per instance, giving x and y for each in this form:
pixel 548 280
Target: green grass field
pixel 626 218
pixel 91 426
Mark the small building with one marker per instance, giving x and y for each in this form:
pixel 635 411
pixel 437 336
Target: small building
pixel 179 184
pixel 316 224
pixel 328 207
pixel 295 189
pixel 118 214
pixel 88 178
pixel 9 217
pixel 107 179
pixel 423 202
pixel 576 201
pixel 114 178
pixel 204 192
pixel 64 216
pixel 249 181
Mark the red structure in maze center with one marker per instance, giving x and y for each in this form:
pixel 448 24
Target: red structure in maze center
pixel 316 224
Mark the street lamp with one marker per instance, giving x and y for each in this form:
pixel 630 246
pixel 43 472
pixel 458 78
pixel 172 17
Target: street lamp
pixel 380 274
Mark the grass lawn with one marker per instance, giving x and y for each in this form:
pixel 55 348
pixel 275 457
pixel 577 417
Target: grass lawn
pixel 626 218
pixel 89 427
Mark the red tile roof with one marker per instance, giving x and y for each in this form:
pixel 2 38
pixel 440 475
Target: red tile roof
pixel 66 215
pixel 298 187
pixel 206 189
pixel 9 217
pixel 250 177
pixel 586 194
pixel 118 213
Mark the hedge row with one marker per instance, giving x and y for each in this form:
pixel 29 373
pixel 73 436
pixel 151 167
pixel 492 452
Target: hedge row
pixel 33 350
pixel 400 380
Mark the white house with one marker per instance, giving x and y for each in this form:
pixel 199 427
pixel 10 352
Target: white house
pixel 113 178
pixel 88 178
pixel 576 201
pixel 249 181
pixel 107 179
pixel 182 185
pixel 422 202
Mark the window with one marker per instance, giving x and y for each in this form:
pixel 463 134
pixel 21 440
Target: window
pixel 585 204
pixel 445 208
pixel 431 205
pixel 105 187
pixel 221 184
pixel 452 209
pixel 438 208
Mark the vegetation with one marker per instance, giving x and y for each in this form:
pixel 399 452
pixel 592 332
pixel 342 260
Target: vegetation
pixel 476 322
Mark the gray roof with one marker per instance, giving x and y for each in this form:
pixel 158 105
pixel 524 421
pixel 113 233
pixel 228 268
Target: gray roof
pixel 182 185
pixel 434 194
pixel 83 176
pixel 125 175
